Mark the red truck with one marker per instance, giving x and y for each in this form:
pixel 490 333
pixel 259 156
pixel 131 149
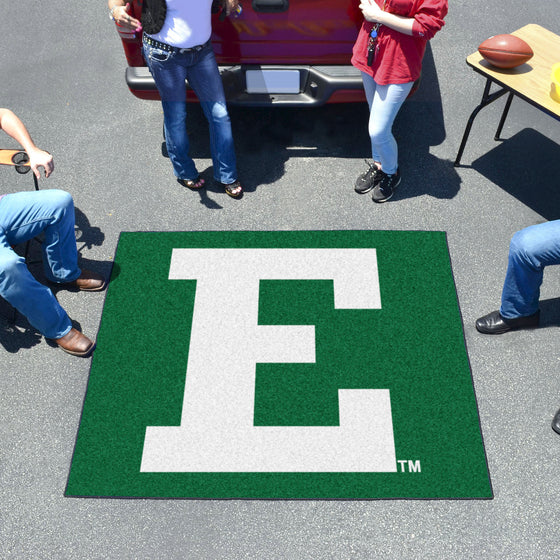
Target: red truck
pixel 277 52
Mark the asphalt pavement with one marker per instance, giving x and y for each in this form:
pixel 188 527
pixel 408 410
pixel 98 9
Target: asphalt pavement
pixel 63 74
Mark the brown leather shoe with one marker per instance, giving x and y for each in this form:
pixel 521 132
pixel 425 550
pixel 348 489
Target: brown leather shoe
pixel 88 281
pixel 76 343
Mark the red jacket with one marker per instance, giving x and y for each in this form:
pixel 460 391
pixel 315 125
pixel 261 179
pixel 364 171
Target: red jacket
pixel 398 57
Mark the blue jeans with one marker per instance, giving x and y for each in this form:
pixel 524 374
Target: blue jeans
pixel 384 104
pixel 530 251
pixel 23 216
pixel 170 70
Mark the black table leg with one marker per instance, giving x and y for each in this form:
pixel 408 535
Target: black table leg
pixel 487 98
pixel 504 116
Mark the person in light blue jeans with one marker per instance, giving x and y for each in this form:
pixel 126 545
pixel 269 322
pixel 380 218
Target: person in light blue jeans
pixel 25 215
pixel 531 250
pixel 388 52
pixel 384 103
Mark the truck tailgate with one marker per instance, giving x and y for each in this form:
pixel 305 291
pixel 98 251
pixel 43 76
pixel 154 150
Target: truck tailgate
pixel 289 32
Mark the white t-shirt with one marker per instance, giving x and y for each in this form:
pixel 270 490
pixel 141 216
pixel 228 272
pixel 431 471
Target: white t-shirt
pixel 187 23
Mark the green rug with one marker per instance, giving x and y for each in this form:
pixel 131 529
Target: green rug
pixel 310 365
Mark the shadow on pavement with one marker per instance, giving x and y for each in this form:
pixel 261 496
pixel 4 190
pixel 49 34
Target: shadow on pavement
pixel 266 138
pixel 527 166
pixel 420 125
pixel 550 312
pixel 18 335
pixel 86 234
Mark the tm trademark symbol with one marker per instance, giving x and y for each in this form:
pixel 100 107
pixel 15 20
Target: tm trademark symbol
pixel 410 466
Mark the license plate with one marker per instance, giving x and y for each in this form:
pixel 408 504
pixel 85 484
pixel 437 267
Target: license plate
pixel 272 81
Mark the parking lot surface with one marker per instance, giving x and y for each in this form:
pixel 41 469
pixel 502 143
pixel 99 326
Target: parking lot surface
pixel 63 74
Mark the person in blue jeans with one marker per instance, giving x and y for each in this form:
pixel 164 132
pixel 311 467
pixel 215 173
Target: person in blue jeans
pixel 23 216
pixel 177 47
pixel 531 250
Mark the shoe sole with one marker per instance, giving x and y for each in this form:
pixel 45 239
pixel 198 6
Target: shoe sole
pixel 100 289
pixel 504 330
pixel 501 331
pixel 84 354
pixel 238 195
pixel 227 191
pixel 72 286
pixel 192 187
pixel 364 191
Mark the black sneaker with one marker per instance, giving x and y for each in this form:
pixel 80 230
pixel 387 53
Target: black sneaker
pixel 366 181
pixel 385 188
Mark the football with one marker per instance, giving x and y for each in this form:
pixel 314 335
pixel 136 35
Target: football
pixel 505 51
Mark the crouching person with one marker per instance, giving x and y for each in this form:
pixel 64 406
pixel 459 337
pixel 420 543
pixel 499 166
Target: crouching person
pixel 23 216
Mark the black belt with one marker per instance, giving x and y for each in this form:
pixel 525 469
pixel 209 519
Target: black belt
pixel 170 48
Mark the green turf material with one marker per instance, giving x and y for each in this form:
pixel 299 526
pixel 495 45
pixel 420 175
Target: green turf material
pixel 413 346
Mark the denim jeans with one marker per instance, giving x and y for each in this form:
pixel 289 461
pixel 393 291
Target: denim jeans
pixel 23 216
pixel 530 251
pixel 170 70
pixel 384 104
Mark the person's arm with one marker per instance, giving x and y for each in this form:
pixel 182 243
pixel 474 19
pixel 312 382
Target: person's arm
pixel 120 12
pixel 427 21
pixel 13 127
pixel 372 12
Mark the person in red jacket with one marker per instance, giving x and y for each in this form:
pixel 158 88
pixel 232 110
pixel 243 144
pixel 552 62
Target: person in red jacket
pixel 389 51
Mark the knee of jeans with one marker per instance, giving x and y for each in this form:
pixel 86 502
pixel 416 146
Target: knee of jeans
pixel 12 268
pixel 525 247
pixel 64 204
pixel 62 199
pixel 220 112
pixel 379 135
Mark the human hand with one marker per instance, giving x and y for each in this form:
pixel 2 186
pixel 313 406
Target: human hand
pixel 230 6
pixel 123 19
pixel 39 158
pixel 371 11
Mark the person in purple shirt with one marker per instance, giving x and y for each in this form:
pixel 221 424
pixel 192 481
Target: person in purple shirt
pixel 23 216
